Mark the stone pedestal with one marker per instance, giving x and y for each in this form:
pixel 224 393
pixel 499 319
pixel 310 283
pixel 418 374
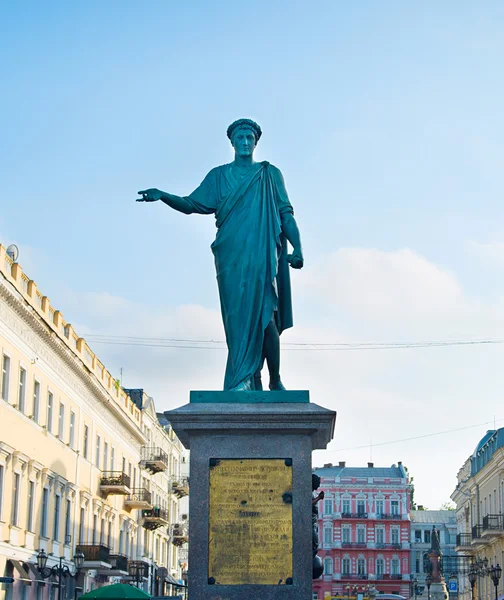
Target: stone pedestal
pixel 438 590
pixel 247 450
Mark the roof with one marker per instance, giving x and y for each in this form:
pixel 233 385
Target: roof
pixel 433 517
pixel 392 472
pixel 489 443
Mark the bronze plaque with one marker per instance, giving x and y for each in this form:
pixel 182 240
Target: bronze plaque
pixel 250 521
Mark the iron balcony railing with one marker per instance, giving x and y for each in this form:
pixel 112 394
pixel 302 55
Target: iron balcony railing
pixel 94 552
pixel 389 516
pixel 493 522
pixel 153 454
pixel 117 478
pixel 463 539
pixel 354 545
pixel 385 576
pixel 394 546
pixel 139 495
pixel 358 515
pixel 354 576
pixel 119 562
pixel 477 531
pixel 160 513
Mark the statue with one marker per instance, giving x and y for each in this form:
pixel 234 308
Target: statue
pixel 317 566
pixel 254 220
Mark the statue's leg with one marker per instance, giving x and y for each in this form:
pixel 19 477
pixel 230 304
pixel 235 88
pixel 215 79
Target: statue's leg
pixel 271 350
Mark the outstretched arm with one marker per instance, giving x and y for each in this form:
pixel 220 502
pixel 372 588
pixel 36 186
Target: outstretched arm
pixel 175 202
pixel 291 232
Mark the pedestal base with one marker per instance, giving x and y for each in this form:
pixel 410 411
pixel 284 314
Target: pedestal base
pixel 257 450
pixel 438 591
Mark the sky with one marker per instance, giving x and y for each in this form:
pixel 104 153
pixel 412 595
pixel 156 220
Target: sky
pixel 386 120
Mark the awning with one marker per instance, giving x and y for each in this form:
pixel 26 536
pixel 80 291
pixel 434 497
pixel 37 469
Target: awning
pixel 169 579
pixel 24 573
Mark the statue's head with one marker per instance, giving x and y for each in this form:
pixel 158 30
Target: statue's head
pixel 315 482
pixel 244 135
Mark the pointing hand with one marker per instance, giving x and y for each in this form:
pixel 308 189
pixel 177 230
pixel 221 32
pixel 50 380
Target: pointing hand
pixel 150 195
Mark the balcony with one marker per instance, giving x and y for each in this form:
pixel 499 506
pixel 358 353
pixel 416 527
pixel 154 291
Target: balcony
pixel 353 576
pixel 353 545
pixel 139 498
pixel 154 518
pixel 96 556
pixel 394 546
pixel 389 577
pixel 389 516
pixel 153 459
pixel 118 566
pixel 477 536
pixel 180 487
pixel 463 542
pixel 180 534
pixel 360 515
pixel 115 482
pixel 493 526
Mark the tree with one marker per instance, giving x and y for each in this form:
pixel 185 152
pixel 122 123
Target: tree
pixel 448 506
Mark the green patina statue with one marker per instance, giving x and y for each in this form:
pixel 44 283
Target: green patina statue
pixel 254 221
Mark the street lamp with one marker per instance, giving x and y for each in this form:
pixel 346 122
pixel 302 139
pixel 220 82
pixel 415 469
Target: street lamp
pixel 137 571
pixel 495 574
pixel 428 581
pixel 473 575
pixel 60 570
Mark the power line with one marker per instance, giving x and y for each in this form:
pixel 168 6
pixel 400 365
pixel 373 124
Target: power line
pixel 211 344
pixel 417 437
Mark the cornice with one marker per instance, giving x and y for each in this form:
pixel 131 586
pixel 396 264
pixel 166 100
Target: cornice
pixel 46 336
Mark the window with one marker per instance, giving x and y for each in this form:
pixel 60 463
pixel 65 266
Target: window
pixel 44 513
pixel 328 536
pixel 16 482
pixel 36 400
pixel 417 562
pixel 361 507
pixel 394 507
pixel 380 566
pixel 345 566
pixel 109 534
pixel 394 535
pixel 112 458
pixel 22 389
pixel 61 421
pixel 71 432
pixel 361 535
pixel 427 536
pixel 95 529
pixel 5 377
pixel 124 465
pixel 105 457
pixel 394 566
pixel 328 506
pixel 361 566
pixel 418 536
pixel 82 526
pixel 346 506
pixel 379 507
pixel 56 528
pixel 30 507
pixel 380 535
pixel 50 400
pixel 102 531
pixel 345 531
pixel 68 522
pixel 86 441
pixel 327 566
pixel 98 448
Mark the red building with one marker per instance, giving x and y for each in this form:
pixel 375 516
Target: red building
pixel 364 529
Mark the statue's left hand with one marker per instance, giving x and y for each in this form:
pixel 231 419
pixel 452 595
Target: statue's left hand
pixel 296 259
pixel 150 195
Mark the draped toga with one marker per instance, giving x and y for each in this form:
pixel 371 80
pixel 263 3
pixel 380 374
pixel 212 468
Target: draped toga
pixel 250 254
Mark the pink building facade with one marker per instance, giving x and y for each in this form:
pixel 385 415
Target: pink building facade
pixel 364 529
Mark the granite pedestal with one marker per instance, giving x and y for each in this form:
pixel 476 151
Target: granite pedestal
pixel 281 428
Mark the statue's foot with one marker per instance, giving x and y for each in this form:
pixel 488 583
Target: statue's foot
pixel 244 386
pixel 258 383
pixel 276 385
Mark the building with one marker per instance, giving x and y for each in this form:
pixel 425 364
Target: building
pixel 479 497
pixel 422 522
pixel 84 466
pixel 364 528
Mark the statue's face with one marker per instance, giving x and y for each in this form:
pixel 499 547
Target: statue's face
pixel 244 142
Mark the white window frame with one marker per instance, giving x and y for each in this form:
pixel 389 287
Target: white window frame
pixel 6 373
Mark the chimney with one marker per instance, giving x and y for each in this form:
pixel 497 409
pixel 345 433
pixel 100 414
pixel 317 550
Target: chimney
pixel 327 465
pixel 370 465
pixel 341 463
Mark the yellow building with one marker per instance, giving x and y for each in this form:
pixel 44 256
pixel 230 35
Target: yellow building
pixel 479 497
pixel 84 465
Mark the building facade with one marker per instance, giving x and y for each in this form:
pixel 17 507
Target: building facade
pixel 83 466
pixel 479 497
pixel 364 529
pixel 422 523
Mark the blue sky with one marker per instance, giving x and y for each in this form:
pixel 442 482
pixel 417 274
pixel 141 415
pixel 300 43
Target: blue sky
pixel 386 120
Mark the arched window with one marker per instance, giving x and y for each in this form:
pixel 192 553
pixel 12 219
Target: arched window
pixel 394 566
pixel 328 566
pixel 361 566
pixel 380 567
pixel 345 565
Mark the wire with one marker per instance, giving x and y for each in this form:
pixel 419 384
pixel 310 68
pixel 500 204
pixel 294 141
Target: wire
pixel 417 437
pixel 211 344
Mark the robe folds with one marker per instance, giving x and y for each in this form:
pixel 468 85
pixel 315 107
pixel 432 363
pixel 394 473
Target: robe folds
pixel 250 254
